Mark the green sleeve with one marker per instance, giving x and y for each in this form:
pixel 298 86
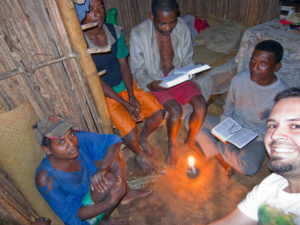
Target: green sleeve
pixel 122 51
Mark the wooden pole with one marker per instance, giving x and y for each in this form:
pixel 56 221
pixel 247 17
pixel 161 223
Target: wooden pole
pixel 74 30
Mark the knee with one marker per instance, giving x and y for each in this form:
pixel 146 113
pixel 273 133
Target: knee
pixel 199 104
pixel 175 112
pixel 251 167
pixel 250 170
pixel 254 157
pixel 160 114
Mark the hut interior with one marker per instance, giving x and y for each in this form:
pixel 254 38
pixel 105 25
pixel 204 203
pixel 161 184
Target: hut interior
pixel 43 73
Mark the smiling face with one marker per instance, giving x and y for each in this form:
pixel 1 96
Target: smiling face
pixel 65 147
pixel 282 139
pixel 165 21
pixel 97 12
pixel 262 67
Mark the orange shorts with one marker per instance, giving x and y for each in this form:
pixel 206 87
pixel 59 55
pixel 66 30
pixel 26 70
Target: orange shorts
pixel 119 114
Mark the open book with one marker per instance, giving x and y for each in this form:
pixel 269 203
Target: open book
pixel 182 74
pixel 230 131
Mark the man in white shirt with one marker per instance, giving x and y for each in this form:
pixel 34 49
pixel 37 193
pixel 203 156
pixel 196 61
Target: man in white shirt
pixel 276 200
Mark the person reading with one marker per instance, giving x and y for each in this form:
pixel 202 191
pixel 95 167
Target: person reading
pixel 157 47
pixel 248 102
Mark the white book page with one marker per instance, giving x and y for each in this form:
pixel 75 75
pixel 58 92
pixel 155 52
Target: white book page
pixel 175 79
pixel 242 137
pixel 182 74
pixel 225 129
pixel 191 69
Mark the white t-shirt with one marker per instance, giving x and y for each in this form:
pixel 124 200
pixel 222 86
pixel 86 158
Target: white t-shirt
pixel 270 201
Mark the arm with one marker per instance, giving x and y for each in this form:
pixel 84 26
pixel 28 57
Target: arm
pixel 236 217
pixel 139 70
pixel 110 93
pixel 64 204
pixel 185 47
pixel 229 106
pixel 98 180
pixel 128 81
pixel 116 193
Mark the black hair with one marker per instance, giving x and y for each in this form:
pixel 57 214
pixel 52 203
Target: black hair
pixel 287 93
pixel 46 141
pixel 164 5
pixel 271 46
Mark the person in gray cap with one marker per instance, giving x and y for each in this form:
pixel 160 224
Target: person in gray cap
pixel 82 176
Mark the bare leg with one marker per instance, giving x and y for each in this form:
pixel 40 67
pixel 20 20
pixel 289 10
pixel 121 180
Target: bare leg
pixel 151 123
pixel 195 121
pixel 117 167
pixel 131 141
pixel 173 126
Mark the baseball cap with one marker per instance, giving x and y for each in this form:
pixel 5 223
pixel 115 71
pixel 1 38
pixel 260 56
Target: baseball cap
pixel 52 127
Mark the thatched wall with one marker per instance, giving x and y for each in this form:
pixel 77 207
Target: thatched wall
pixel 32 35
pixel 244 12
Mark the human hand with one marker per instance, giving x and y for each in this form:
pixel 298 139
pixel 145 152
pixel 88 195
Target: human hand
pixel 154 86
pixel 134 102
pixel 134 111
pixel 42 221
pixel 99 182
pixel 118 190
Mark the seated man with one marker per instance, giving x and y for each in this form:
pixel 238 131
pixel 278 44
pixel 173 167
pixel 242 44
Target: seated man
pixel 127 104
pixel 157 46
pixel 276 200
pixel 249 101
pixel 82 175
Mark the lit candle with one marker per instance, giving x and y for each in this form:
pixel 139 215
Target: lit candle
pixel 191 160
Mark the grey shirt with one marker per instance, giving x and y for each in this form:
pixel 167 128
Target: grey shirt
pixel 145 56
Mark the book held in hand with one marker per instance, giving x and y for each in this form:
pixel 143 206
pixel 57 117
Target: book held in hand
pixel 230 131
pixel 182 74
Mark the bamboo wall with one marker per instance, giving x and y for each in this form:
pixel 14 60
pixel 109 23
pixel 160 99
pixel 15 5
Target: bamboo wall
pixel 33 35
pixel 244 12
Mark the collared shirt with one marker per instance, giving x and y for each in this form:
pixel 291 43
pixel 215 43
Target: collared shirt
pixel 145 56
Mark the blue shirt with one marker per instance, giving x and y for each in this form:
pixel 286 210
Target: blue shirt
pixel 69 188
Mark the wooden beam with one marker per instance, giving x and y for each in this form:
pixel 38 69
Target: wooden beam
pixel 72 25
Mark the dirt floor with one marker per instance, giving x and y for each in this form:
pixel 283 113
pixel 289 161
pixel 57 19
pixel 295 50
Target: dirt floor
pixel 177 199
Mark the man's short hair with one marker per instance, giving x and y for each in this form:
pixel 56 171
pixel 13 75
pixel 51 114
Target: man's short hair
pixel 163 5
pixel 288 93
pixel 271 46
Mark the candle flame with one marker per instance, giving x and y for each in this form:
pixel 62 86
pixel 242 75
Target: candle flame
pixel 191 160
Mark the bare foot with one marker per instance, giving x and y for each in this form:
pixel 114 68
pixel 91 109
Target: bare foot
pixel 229 171
pixel 195 147
pixel 115 221
pixel 147 148
pixel 134 194
pixel 145 163
pixel 171 159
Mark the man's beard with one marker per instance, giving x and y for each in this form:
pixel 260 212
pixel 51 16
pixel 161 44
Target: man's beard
pixel 280 167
